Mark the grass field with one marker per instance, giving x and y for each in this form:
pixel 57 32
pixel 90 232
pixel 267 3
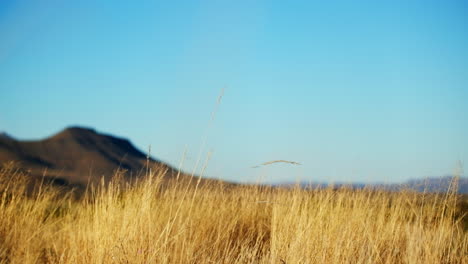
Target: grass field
pixel 152 221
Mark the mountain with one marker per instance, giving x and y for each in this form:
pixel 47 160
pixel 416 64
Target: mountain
pixel 76 155
pixel 429 185
pixel 438 184
pixel 5 135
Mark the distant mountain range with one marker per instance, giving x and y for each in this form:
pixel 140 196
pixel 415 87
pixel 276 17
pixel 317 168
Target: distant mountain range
pixel 430 185
pixel 437 184
pixel 76 155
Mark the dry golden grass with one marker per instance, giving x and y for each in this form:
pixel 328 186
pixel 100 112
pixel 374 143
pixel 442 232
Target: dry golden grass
pixel 178 222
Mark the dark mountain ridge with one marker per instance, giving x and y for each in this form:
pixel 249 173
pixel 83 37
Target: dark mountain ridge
pixel 76 155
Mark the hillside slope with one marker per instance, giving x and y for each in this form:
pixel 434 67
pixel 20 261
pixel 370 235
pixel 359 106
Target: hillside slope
pixel 76 155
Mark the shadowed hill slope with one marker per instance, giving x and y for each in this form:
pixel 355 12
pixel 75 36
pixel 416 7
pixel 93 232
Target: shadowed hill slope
pixel 76 155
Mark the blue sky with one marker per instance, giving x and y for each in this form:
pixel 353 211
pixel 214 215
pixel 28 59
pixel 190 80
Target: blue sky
pixel 356 91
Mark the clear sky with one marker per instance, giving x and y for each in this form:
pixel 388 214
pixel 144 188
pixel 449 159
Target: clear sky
pixel 363 91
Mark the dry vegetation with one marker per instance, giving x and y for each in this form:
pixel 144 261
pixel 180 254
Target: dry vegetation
pixel 152 222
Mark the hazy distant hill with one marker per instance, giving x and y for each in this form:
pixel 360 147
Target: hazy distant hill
pixel 75 155
pixel 437 184
pixel 433 184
